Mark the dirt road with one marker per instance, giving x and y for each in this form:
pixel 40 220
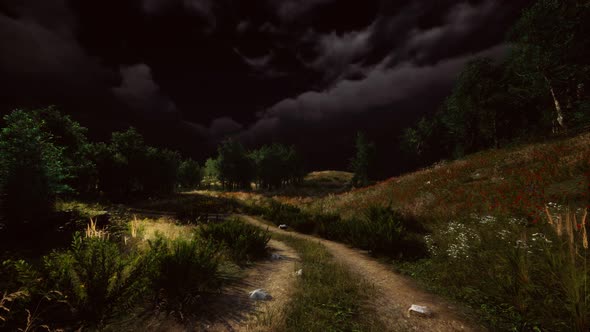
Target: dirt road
pixel 395 293
pixel 235 311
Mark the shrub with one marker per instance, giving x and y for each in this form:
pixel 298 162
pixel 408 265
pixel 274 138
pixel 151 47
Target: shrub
pixel 286 214
pixel 183 270
pixel 379 229
pixel 95 277
pixel 244 242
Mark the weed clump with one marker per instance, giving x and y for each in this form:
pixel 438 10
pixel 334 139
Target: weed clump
pixel 181 271
pixel 244 242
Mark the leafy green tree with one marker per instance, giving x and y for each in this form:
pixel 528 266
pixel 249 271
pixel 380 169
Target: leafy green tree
pixel 235 168
pixel 127 166
pixel 190 174
pixel 475 110
pixel 121 164
pixel 276 165
pixel 71 136
pixel 32 171
pixel 211 172
pixel 426 142
pixel 552 48
pixel 160 171
pixel 361 163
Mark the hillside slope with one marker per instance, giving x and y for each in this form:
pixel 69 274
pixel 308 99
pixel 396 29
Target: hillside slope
pixel 515 181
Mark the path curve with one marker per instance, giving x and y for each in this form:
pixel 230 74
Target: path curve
pixel 233 310
pixel 395 293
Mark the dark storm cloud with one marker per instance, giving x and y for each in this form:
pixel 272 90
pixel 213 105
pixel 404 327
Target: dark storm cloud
pixel 41 57
pixel 417 58
pixel 140 92
pixel 290 10
pixel 256 69
pixel 381 87
pixel 218 129
pixel 201 8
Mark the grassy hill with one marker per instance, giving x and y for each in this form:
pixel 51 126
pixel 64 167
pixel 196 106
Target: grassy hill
pixel 506 230
pixel 516 181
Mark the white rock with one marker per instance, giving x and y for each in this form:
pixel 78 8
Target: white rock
pixel 419 309
pixel 299 272
pixel 259 294
pixel 275 257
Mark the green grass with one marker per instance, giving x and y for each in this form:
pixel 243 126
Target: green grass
pixel 244 242
pixel 327 297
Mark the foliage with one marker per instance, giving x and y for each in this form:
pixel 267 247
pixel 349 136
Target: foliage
pixel 289 215
pixel 71 136
pixel 361 163
pixel 182 271
pixel 536 276
pixel 190 174
pixel 381 230
pixel 95 277
pixel 277 165
pixel 127 166
pixel 245 242
pixel 234 167
pixel 474 110
pixel 539 89
pixel 32 171
pixel 160 170
pixel 552 49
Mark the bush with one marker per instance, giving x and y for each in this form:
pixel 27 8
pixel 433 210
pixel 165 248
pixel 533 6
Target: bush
pixel 244 242
pixel 181 271
pixel 286 214
pixel 95 277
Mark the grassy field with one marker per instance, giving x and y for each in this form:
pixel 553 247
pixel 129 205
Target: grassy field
pixel 505 230
pixel 517 181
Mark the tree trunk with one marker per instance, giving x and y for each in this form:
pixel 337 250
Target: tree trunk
pixel 558 110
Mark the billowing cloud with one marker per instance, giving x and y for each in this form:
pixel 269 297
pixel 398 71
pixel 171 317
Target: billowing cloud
pixel 382 86
pixel 140 92
pixel 218 128
pixel 41 58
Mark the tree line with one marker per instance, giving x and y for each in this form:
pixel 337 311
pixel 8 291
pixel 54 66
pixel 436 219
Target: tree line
pixel 44 153
pixel 538 90
pixel 269 167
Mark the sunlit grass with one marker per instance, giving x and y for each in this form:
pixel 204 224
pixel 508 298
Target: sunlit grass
pixel 327 296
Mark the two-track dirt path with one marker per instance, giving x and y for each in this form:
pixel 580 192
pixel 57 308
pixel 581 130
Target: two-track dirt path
pixel 394 293
pixel 235 311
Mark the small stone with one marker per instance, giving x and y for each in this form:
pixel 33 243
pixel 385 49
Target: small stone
pixel 275 257
pixel 299 272
pixel 260 294
pixel 420 310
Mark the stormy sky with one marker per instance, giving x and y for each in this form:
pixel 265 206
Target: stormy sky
pixel 188 73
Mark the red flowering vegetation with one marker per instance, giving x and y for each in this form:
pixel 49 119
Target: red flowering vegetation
pixel 516 182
